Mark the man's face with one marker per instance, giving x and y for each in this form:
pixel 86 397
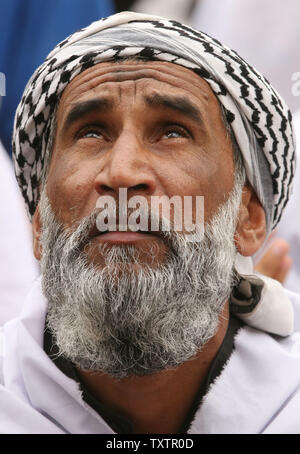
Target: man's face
pixel 154 128
pixel 129 303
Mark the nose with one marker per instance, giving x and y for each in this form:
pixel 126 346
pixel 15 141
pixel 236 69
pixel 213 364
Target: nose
pixel 126 165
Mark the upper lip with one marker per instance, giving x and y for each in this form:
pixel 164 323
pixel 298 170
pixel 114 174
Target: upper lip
pixel 95 232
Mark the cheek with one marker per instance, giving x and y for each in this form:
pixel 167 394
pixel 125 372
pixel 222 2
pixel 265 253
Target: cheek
pixel 197 175
pixel 70 188
pixel 186 172
pixel 199 167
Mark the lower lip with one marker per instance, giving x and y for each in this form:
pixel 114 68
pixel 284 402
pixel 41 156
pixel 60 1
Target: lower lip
pixel 125 237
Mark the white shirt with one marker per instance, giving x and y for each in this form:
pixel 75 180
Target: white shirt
pixel 258 391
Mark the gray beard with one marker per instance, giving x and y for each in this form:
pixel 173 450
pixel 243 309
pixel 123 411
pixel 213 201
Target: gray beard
pixel 127 318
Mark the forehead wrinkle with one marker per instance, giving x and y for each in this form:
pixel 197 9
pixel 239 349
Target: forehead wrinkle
pixel 174 75
pixel 179 79
pixel 122 88
pixel 171 83
pixel 122 67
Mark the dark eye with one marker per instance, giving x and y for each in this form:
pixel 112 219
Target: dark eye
pixel 90 132
pixel 91 135
pixel 175 132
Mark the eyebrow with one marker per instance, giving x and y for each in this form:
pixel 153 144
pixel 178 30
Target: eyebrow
pixel 176 103
pixel 156 101
pixel 84 108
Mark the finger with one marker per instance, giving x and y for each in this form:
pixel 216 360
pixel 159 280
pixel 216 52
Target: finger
pixel 276 262
pixel 284 270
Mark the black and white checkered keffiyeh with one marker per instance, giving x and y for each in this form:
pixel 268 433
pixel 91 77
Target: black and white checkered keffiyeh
pixel 259 118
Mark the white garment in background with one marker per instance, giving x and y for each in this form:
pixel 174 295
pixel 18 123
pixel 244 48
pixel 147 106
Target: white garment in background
pixel 258 390
pixel 289 226
pixel 172 9
pixel 266 33
pixel 18 268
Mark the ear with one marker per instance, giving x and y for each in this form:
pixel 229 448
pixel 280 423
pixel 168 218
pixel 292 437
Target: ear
pixel 251 227
pixel 36 231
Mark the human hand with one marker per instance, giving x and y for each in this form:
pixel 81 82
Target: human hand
pixel 276 262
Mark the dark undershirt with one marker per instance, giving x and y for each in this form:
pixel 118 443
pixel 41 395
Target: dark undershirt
pixel 119 423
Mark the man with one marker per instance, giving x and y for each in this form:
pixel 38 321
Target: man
pixel 135 330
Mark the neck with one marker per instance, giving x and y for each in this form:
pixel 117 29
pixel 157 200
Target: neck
pixel 158 403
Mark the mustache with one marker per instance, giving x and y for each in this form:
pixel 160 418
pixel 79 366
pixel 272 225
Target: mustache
pixel 86 229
